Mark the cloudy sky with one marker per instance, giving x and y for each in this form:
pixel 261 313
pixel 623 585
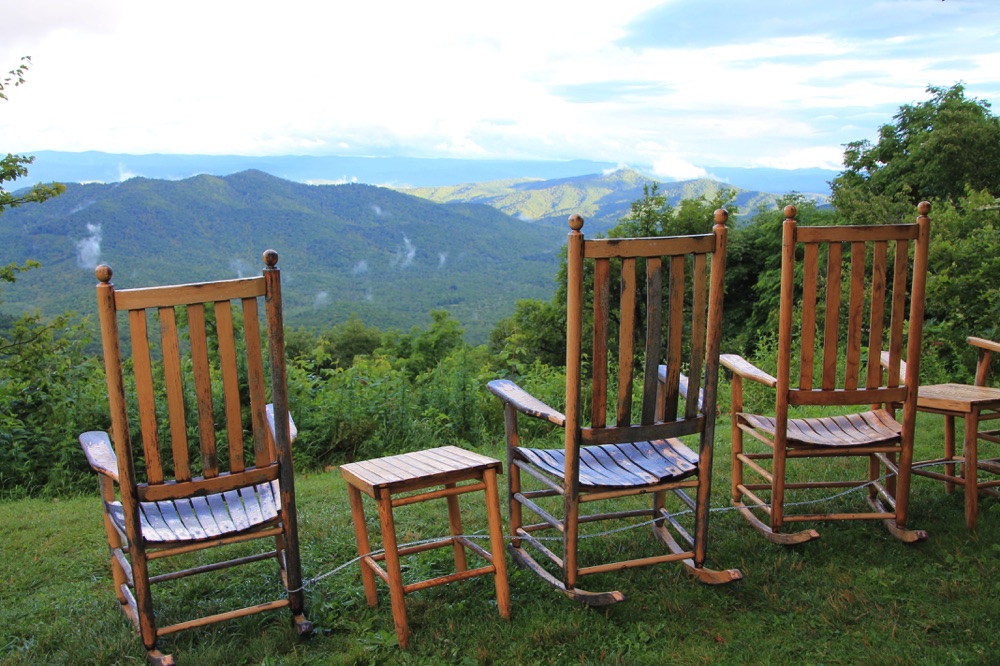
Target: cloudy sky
pixel 671 85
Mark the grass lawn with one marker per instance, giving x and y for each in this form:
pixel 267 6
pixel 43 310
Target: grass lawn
pixel 856 596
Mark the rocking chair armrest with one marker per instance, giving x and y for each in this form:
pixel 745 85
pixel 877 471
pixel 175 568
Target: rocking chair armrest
pixel 524 402
pixel 293 432
pixel 100 454
pixel 983 343
pixel 986 350
pixel 884 361
pixel 740 366
pixel 682 384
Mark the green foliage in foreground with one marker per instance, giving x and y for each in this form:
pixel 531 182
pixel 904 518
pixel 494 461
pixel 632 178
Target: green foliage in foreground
pixel 856 596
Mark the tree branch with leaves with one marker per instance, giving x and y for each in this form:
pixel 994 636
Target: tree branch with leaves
pixel 12 166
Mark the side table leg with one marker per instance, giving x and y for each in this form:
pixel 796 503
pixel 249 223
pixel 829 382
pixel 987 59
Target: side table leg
pixel 949 451
pixel 396 593
pixel 455 525
pixel 364 547
pixel 496 543
pixel 970 470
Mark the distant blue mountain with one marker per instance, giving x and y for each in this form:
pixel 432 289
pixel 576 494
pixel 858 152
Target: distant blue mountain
pixel 389 171
pixel 396 172
pixel 778 181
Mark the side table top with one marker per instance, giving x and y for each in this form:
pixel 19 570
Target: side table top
pixel 416 469
pixel 959 398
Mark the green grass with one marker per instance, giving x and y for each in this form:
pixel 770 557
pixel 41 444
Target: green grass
pixel 856 596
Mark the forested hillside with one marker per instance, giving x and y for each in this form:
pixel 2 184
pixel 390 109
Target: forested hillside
pixel 387 257
pixel 603 199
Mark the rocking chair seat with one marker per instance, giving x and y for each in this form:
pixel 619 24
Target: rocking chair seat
pixel 863 429
pixel 625 465
pixel 200 518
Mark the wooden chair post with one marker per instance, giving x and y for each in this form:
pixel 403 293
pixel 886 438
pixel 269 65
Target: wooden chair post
pixel 574 347
pixel 282 438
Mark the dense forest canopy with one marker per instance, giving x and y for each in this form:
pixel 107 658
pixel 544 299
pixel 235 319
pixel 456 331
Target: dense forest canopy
pixel 359 391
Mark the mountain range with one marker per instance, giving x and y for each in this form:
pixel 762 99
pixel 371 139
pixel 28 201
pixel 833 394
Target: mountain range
pixel 399 172
pixel 344 250
pixel 386 256
pixel 602 199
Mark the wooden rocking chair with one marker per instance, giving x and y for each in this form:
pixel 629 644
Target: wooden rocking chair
pixel 871 316
pixel 618 456
pixel 175 497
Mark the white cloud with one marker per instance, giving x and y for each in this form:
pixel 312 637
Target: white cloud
pixel 823 157
pixel 466 79
pixel 404 254
pixel 673 166
pixel 239 267
pixel 88 249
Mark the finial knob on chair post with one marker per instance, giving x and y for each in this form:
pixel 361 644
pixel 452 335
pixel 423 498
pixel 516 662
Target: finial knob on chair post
pixel 576 222
pixel 270 258
pixel 791 211
pixel 103 273
pixel 721 216
pixel 924 207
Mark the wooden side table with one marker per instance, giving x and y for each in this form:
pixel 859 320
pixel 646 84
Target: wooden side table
pixel 444 472
pixel 974 404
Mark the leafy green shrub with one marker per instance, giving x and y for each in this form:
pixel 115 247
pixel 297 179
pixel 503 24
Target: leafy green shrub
pixel 50 391
pixel 365 410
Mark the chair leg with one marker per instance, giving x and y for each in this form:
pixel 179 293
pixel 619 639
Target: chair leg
pixel 157 658
pixel 780 538
pixel 897 486
pixel 396 593
pixel 143 598
pixel 571 533
pixel 695 569
pixel 513 506
pixel 659 507
pixel 523 558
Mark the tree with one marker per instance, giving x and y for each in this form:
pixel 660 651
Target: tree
pixel 13 167
pixel 420 350
pixel 945 150
pixel 935 150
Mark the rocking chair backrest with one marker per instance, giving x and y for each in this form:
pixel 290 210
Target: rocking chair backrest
pixel 196 349
pixel 844 293
pixel 681 279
